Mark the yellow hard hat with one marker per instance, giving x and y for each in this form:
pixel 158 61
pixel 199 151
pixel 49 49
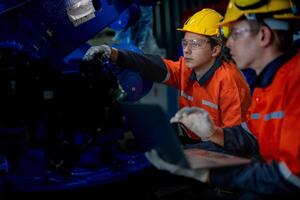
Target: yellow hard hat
pixel 204 22
pixel 278 9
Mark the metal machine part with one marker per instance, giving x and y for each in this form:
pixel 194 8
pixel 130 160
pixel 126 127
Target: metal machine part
pixel 57 113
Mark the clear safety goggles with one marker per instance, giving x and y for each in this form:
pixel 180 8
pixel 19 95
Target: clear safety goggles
pixel 194 43
pixel 236 33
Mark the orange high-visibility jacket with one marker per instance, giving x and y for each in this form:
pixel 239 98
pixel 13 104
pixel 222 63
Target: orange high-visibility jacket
pixel 275 117
pixel 222 91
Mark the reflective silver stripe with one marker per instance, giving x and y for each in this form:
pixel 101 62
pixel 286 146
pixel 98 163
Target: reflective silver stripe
pixel 210 104
pixel 255 116
pixel 186 96
pixel 274 115
pixel 288 175
pixel 245 127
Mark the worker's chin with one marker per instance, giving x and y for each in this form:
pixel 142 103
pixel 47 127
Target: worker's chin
pixel 190 65
pixel 242 65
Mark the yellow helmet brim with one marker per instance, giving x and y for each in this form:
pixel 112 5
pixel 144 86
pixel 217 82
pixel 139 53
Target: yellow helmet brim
pixel 233 13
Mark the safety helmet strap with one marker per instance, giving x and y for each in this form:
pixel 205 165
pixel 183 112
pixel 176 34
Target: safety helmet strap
pixel 274 24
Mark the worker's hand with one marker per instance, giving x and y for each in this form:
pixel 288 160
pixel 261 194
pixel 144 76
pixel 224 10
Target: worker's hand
pixel 200 175
pixel 98 54
pixel 197 120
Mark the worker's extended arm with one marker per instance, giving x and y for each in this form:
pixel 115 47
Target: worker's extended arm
pixel 149 66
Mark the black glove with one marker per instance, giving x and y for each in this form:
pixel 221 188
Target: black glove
pixel 98 54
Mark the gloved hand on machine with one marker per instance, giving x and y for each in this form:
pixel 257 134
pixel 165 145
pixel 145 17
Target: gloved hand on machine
pixel 98 54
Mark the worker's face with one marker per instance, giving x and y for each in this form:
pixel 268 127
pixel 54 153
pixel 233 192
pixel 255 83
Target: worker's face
pixel 243 44
pixel 197 50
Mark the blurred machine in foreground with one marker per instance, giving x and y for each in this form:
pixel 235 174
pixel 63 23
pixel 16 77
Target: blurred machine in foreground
pixel 60 122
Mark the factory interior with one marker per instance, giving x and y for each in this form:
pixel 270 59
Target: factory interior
pixel 62 131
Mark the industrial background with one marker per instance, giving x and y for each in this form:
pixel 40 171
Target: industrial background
pixel 61 129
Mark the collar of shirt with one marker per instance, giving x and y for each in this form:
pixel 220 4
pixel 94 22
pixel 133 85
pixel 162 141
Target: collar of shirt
pixel 208 74
pixel 266 76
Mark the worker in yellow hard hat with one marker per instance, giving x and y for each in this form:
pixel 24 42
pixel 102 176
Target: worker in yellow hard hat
pixel 201 76
pixel 260 37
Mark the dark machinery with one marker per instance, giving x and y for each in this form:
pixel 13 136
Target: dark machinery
pixel 60 118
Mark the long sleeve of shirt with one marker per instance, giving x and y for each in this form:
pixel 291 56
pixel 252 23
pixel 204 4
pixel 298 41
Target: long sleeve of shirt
pixel 258 177
pixel 149 66
pixel 239 141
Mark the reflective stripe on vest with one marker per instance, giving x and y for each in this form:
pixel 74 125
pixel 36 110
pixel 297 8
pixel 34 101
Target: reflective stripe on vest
pixel 255 116
pixel 268 116
pixel 186 96
pixel 274 115
pixel 210 104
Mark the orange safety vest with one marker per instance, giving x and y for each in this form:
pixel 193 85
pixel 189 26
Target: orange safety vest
pixel 222 91
pixel 274 116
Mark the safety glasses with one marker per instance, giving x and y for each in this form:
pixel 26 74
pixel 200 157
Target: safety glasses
pixel 194 43
pixel 236 33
